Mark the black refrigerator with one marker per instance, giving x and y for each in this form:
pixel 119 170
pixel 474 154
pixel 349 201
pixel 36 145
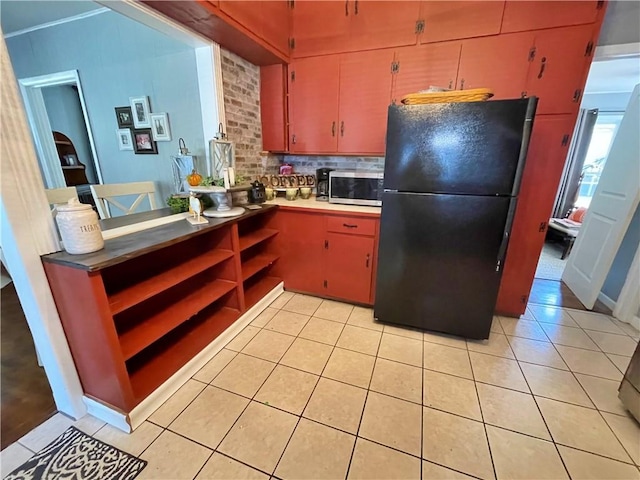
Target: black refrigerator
pixel 451 181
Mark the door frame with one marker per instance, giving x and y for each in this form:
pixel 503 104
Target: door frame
pixel 626 307
pixel 31 89
pixel 28 230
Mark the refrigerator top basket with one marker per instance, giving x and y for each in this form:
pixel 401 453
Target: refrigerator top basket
pixel 471 95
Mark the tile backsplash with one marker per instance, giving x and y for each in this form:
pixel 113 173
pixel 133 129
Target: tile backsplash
pixel 309 163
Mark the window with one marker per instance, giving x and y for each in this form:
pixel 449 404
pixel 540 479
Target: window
pixel 604 132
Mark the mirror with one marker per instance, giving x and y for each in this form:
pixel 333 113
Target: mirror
pixel 116 59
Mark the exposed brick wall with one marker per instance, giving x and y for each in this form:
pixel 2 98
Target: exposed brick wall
pixel 241 84
pixel 241 89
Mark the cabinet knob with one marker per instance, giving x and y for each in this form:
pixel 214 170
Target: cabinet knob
pixel 346 8
pixel 356 8
pixel 368 258
pixel 462 84
pixel 342 129
pixel 333 129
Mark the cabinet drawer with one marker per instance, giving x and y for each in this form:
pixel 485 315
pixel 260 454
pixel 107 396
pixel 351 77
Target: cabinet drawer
pixel 356 226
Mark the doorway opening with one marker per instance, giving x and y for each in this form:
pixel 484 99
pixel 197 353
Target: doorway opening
pixel 61 131
pixel 587 157
pixel 612 77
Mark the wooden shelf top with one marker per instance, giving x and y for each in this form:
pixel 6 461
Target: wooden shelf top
pixel 257 263
pixel 126 247
pixel 151 329
pixel 159 283
pixel 253 238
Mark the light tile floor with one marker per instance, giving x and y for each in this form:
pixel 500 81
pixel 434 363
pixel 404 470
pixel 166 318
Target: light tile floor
pixel 318 389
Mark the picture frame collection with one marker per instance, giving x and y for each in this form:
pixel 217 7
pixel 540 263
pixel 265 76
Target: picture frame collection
pixel 139 129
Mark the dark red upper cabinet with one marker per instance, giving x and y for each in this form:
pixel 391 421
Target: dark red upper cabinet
pixel 420 67
pixel 269 20
pixel 313 104
pixel 560 66
pixel 500 63
pixel 523 15
pixel 319 28
pixel 382 24
pixel 276 24
pixel 248 14
pixel 365 94
pixel 273 107
pixel 450 20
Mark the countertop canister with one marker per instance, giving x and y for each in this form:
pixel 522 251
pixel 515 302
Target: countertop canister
pixel 79 227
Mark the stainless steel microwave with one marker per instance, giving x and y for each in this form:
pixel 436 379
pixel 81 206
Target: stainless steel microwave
pixel 355 188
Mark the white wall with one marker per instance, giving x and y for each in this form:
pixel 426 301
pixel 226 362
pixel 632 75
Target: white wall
pixel 118 58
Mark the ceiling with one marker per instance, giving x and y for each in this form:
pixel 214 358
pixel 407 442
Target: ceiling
pixel 611 76
pixel 16 15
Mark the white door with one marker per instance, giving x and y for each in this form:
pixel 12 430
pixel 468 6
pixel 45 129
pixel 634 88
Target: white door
pixel 612 206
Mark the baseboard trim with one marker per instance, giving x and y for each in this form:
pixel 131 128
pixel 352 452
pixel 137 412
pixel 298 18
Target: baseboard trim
pixel 107 414
pixel 607 301
pixel 128 423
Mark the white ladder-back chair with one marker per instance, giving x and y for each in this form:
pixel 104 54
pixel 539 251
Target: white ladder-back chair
pixel 59 196
pixel 103 194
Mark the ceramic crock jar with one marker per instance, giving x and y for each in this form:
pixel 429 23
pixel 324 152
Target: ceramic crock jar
pixel 79 227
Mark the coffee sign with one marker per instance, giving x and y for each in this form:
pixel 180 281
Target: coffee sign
pixel 288 181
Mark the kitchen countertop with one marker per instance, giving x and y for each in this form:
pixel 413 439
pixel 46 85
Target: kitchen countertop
pixel 120 249
pixel 313 204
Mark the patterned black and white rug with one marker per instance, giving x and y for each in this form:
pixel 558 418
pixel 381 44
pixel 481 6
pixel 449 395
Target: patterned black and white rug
pixel 75 455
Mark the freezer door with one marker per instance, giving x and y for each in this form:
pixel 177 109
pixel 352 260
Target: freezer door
pixel 439 261
pixel 475 148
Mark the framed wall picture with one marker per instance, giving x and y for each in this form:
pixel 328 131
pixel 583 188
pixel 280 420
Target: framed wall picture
pixel 140 111
pixel 125 141
pixel 160 127
pixel 125 119
pixel 143 141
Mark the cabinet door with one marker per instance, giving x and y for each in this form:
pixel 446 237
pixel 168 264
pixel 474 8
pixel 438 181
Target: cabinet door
pixel 320 27
pixel 500 62
pixel 276 23
pixel 419 67
pixel 382 24
pixel 559 68
pixel 455 20
pixel 348 266
pixel 301 241
pixel 365 93
pixel 313 102
pixel 545 161
pixel 273 107
pixel 520 16
pixel 248 14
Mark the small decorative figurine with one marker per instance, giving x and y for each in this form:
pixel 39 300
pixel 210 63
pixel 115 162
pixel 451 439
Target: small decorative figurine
pixel 195 205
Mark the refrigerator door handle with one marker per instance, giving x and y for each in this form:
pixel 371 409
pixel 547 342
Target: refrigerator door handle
pixel 502 250
pixel 505 236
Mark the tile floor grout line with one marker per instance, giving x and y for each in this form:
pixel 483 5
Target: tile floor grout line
pixel 307 403
pixel 484 425
pixel 364 406
pixel 246 406
pixel 544 420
